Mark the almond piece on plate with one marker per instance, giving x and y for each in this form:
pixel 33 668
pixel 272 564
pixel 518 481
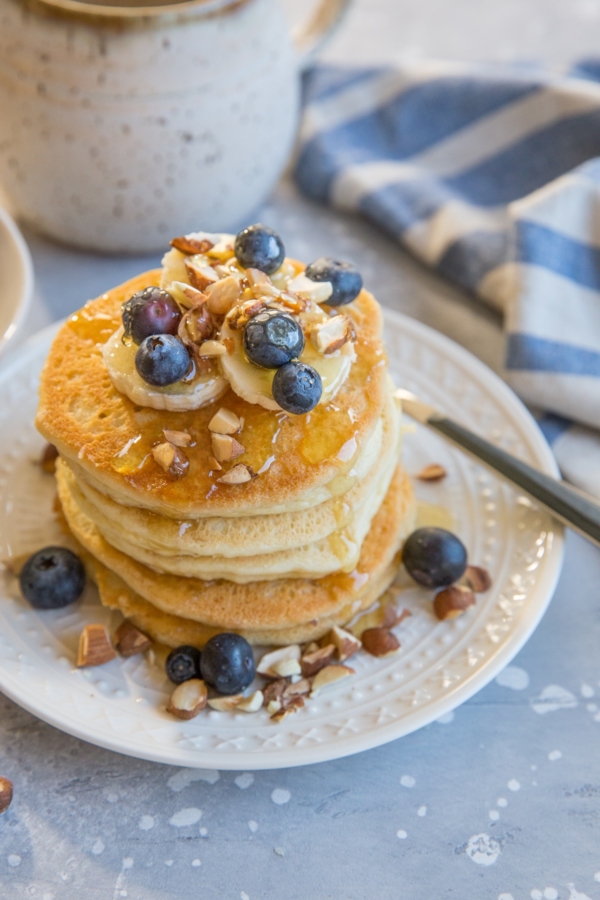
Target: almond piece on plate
pixel 380 642
pixel 252 703
pixel 274 690
pixel 188 699
pixel 48 459
pixel 311 663
pixel 293 706
pixel 452 602
pixel 171 459
pixel 225 447
pixel 433 472
pixel 477 579
pixel 225 704
pixel 222 294
pixel 328 676
pixel 95 647
pixel 240 474
pixel 295 690
pixel 191 243
pixel 269 660
pixel 345 643
pixel 130 641
pixel 6 794
pixel 225 422
pixel 286 667
pixel 177 438
pixel 215 464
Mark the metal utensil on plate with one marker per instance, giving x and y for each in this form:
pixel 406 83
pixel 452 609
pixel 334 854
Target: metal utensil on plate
pixel 572 507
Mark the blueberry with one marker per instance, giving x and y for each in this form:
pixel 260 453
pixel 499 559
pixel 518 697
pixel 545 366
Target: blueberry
pixel 259 247
pixel 345 279
pixel 434 557
pixel 182 664
pixel 52 578
pixel 151 311
pixel 162 359
pixel 227 663
pixel 297 388
pixel 272 339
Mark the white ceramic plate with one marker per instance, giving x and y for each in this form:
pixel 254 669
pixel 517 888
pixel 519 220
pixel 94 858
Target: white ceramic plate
pixel 16 278
pixel 121 705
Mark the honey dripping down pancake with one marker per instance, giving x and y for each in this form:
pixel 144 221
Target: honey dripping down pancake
pixel 212 482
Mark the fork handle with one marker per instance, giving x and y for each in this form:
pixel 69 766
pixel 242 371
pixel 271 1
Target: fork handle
pixel 567 504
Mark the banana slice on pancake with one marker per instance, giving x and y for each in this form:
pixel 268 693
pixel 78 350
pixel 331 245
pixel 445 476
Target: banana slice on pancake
pixel 120 362
pixel 254 384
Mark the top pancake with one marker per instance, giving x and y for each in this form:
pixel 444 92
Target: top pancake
pixel 102 432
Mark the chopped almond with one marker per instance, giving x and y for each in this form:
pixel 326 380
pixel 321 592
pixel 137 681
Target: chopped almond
pixel 188 699
pixel 171 459
pixel 130 641
pixel 226 447
pixel 311 663
pixel 212 348
pixel 345 643
pixel 452 602
pixel 328 676
pixel 191 244
pixel 240 474
pixel 269 660
pixel 380 642
pixel 200 275
pixel 221 295
pixel 332 334
pixel 432 472
pixel 317 291
pixel 95 647
pixel 225 422
pixel 177 438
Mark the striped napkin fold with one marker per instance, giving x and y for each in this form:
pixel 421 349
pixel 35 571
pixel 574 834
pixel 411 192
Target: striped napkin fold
pixel 490 175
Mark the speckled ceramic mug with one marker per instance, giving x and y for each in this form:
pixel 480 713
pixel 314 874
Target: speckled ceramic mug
pixel 121 126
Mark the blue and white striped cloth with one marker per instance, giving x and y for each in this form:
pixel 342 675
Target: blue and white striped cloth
pixel 491 176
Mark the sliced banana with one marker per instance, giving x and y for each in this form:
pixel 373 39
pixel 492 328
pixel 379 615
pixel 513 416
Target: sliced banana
pixel 254 384
pixel 178 397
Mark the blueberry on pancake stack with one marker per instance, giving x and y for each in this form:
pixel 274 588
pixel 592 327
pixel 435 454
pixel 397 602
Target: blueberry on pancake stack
pixel 229 443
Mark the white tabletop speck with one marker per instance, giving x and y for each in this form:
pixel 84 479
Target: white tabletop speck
pixel 500 799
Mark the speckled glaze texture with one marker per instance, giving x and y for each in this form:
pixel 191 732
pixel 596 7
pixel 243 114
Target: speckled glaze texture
pixel 116 136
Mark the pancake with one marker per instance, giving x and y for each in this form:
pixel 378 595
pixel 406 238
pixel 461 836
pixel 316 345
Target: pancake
pixel 182 547
pixel 304 459
pixel 262 607
pixel 173 631
pixel 338 551
pixel 230 536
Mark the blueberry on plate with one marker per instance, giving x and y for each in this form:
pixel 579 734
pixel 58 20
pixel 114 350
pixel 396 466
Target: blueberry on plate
pixel 227 663
pixel 297 388
pixel 151 311
pixel 259 247
pixel 183 663
pixel 162 359
pixel 434 557
pixel 52 578
pixel 272 339
pixel 345 279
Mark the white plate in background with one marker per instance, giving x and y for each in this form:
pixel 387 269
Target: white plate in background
pixel 121 706
pixel 16 278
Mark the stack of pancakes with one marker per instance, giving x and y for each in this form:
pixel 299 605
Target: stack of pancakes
pixel 308 543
